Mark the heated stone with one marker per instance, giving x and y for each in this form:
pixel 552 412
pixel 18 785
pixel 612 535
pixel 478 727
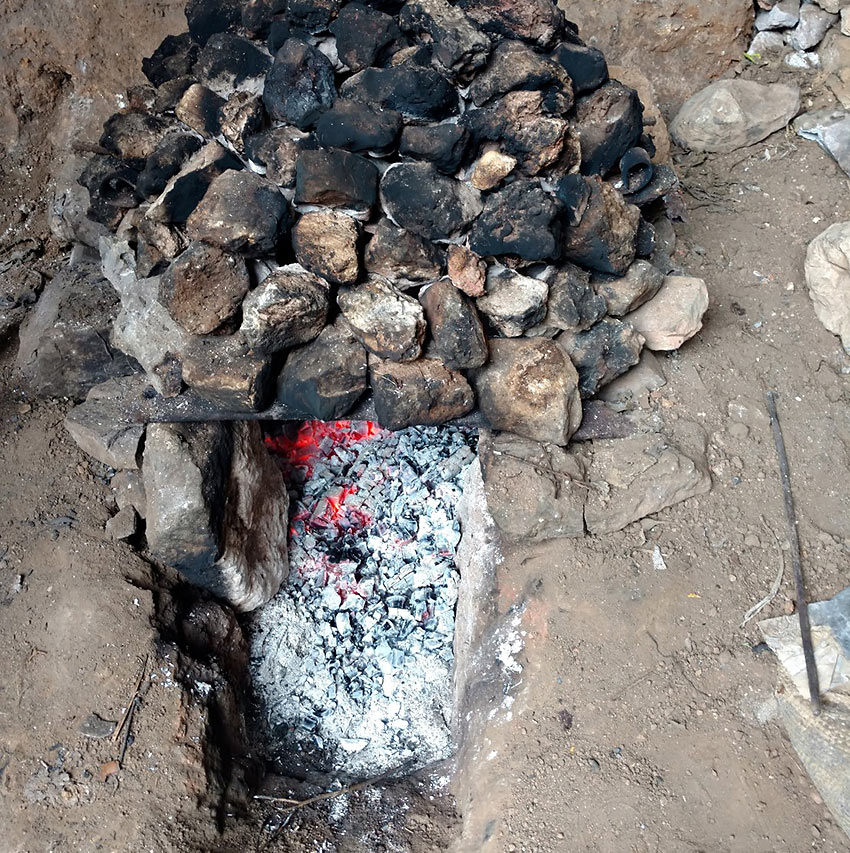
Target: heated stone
pixel 402 256
pixel 466 270
pixel 455 326
pixel 111 183
pixel 514 302
pixel 229 63
pixel 421 392
pixel 538 22
pixel 165 162
pixel 365 36
pixel 447 146
pixel 646 240
pixel 529 387
pixel 241 212
pixel 286 309
pixel 313 16
pixel 388 323
pixel 664 180
pixel 277 150
pixel 132 134
pixel 674 315
pixel 604 240
pixel 458 45
pixel 203 288
pixel 336 179
pixel 417 93
pixel 573 191
pixel 586 66
pixel 602 352
pixel 168 95
pixel 325 242
pixel 521 219
pixel 572 302
pixel 358 127
pixel 259 15
pixel 199 108
pixel 174 57
pixel 418 198
pixel 325 378
pixel 279 32
pixel 300 85
pixel 491 169
pixel 241 117
pixel 207 17
pixel 640 283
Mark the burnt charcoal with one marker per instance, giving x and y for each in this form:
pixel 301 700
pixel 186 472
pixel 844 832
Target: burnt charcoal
pixel 229 63
pixel 417 93
pixel 466 270
pixel 325 378
pixel 521 219
pixel 241 117
pixel 208 17
pixel 132 135
pixel 491 169
pixel 388 323
pixel 538 22
pixel 259 15
pixel 423 392
pixel 358 127
pixel 663 181
pixel 602 353
pixel 111 183
pixel 586 66
pixel 604 240
pixel 241 212
pixel 312 16
pixel 200 109
pixel 168 95
pixel 279 32
pixel 174 57
pixel 402 256
pixel 573 304
pixel 573 191
pixel 608 122
pixel 336 179
pixel 447 146
pixel 203 288
pixel 626 293
pixel 514 303
pixel 165 162
pixel 455 326
pixel 365 36
pixel 300 85
pixel 646 240
pixel 420 199
pixel 277 150
pixel 325 242
pixel 457 43
pixel 288 308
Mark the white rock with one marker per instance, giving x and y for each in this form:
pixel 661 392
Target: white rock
pixel 803 59
pixel 833 5
pixel 831 130
pixel 828 278
pixel 845 21
pixel 766 42
pixel 782 15
pixel 812 27
pixel 674 314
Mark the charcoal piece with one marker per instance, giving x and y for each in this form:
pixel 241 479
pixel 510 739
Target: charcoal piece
pixel 279 32
pixel 241 212
pixel 111 183
pixel 288 308
pixel 300 85
pixel 586 66
pixel 241 118
pixel 573 304
pixel 626 293
pixel 457 43
pixel 447 146
pixel 277 150
pixel 604 240
pixel 174 57
pixel 608 122
pixel 200 109
pixel 663 181
pixel 420 199
pixel 466 270
pixel 521 219
pixel 203 288
pixel 358 127
pixel 514 302
pixel 573 191
pixel 423 392
pixel 229 63
pixel 258 16
pixel 455 326
pixel 538 22
pixel 325 242
pixel 417 93
pixel 132 135
pixel 168 95
pixel 646 240
pixel 602 352
pixel 365 36
pixel 336 179
pixel 325 378
pixel 165 162
pixel 208 17
pixel 401 255
pixel 388 323
pixel 311 16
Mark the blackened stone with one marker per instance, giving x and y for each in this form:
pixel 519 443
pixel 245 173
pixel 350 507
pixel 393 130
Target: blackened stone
pixel 336 179
pixel 640 283
pixel 168 95
pixel 200 109
pixel 646 240
pixel 241 117
pixel 229 63
pixel 312 16
pixel 279 32
pixel 203 288
pixel 174 57
pixel 520 219
pixel 358 127
pixel 402 256
pixel 300 85
pixel 259 15
pixel 423 392
pixel 132 135
pixel 586 66
pixel 241 212
pixel 663 181
pixel 602 353
pixel 388 323
pixel 207 17
pixel 165 162
pixel 420 199
pixel 573 303
pixel 608 122
pixel 457 43
pixel 325 242
pixel 111 183
pixel 417 93
pixel 538 22
pixel 514 302
pixel 447 146
pixel 573 191
pixel 364 36
pixel 277 150
pixel 455 325
pixel 325 378
pixel 288 308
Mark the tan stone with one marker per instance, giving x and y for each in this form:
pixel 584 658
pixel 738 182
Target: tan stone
pixel 491 169
pixel 654 124
pixel 325 242
pixel 674 315
pixel 466 270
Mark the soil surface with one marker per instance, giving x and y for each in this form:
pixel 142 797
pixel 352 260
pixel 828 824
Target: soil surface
pixel 639 724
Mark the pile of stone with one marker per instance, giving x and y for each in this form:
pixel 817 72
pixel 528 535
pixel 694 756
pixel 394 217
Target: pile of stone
pixel 795 29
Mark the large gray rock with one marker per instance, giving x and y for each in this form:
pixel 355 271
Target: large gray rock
pixel 828 278
pixel 830 128
pixel 640 283
pixel 812 26
pixel 784 14
pixel 674 315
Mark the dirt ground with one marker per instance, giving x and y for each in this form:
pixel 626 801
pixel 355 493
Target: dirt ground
pixel 639 722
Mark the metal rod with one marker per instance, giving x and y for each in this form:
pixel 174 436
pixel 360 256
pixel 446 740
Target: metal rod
pixel 794 538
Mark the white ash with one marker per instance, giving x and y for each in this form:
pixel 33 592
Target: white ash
pixel 352 660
